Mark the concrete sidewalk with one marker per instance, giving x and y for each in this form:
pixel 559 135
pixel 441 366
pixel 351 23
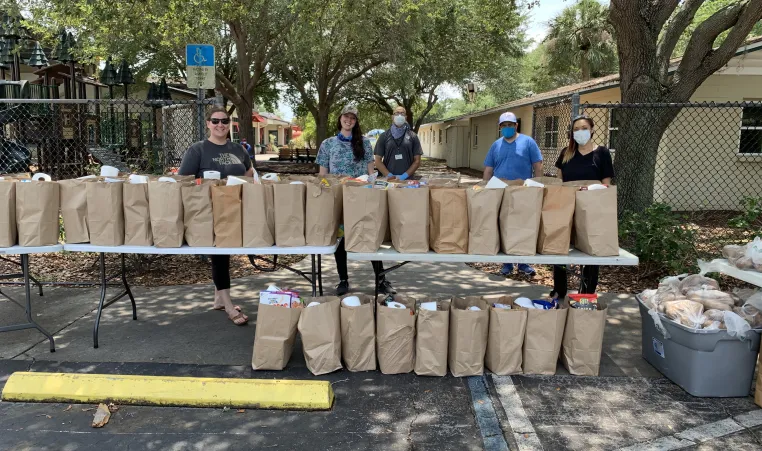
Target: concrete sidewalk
pixel 178 333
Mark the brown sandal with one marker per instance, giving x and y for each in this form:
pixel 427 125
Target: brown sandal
pixel 237 307
pixel 238 317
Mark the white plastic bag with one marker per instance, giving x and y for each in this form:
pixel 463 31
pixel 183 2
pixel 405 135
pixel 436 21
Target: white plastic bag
pixel 736 326
pixel 754 252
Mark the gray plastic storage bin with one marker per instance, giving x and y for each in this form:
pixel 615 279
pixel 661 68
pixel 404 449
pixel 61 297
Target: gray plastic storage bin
pixel 705 363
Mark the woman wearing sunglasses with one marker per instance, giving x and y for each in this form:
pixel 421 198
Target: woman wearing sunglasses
pixel 217 153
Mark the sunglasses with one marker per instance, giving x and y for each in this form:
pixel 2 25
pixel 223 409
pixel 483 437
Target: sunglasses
pixel 216 121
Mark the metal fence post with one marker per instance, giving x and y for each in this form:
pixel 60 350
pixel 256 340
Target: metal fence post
pixel 575 107
pixel 201 121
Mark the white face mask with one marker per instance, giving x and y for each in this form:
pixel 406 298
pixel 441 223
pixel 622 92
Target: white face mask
pixel 582 137
pixel 399 121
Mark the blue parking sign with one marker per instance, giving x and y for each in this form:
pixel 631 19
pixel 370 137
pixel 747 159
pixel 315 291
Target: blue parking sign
pixel 199 55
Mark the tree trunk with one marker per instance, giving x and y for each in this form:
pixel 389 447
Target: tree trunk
pixel 245 128
pixel 585 65
pixel 321 126
pixel 637 148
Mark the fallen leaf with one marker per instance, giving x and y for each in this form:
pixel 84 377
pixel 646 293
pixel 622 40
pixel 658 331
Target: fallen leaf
pixel 669 426
pixel 68 408
pixel 480 401
pixel 526 435
pixel 112 407
pixel 241 410
pixel 558 388
pixel 101 417
pixel 43 415
pixel 426 391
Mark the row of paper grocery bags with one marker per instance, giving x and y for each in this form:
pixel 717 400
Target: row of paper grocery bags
pixel 521 218
pixel 462 334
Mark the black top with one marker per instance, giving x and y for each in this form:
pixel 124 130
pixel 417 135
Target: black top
pixel 398 154
pixel 596 165
pixel 228 159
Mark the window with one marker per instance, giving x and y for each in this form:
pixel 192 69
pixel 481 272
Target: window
pixel 476 135
pixel 751 131
pixel 615 119
pixel 440 136
pixel 235 131
pixel 551 132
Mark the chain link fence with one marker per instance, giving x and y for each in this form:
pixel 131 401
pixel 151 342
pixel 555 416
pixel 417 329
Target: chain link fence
pixel 71 138
pixel 709 158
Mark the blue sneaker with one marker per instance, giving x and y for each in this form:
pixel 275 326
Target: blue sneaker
pixel 526 269
pixel 507 269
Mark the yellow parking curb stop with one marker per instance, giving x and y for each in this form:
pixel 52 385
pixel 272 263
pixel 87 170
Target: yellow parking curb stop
pixel 169 391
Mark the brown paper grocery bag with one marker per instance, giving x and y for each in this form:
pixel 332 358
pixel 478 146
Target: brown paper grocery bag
pixel 520 213
pixel 483 212
pixel 290 210
pixel 506 338
pixel 74 210
pixel 358 335
pixel 542 340
pixel 448 222
pixel 37 205
pixel 165 204
pixel 548 180
pixel 431 340
pixel 468 336
pixel 258 214
pixel 198 217
pixel 320 328
pixel 395 336
pixel 583 340
pixel 556 220
pixel 325 205
pixel 8 234
pixel 366 218
pixel 228 215
pixel 596 229
pixel 409 219
pixel 274 336
pixel 137 217
pixel 105 213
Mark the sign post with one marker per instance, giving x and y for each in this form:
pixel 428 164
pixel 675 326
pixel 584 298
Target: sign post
pixel 200 69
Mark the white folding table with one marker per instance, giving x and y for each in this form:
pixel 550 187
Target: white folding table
pixel 315 277
pixel 575 257
pixel 27 306
pixel 723 266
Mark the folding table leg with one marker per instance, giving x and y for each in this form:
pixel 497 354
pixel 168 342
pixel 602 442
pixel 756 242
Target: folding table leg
pixel 104 282
pixel 129 292
pixel 320 274
pixel 28 295
pixel 314 276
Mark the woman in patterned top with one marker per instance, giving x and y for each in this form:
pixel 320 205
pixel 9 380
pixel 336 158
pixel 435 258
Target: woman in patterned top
pixel 349 153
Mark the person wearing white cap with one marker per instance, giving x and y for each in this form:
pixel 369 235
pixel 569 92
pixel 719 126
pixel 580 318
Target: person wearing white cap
pixel 513 156
pixel 348 153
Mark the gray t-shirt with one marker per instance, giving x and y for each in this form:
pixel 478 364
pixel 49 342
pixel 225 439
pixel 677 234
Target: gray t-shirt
pixel 398 154
pixel 228 159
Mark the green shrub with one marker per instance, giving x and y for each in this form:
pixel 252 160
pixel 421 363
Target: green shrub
pixel 751 218
pixel 659 238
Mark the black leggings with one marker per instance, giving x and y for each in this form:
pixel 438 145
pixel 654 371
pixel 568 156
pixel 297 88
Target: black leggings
pixel 589 280
pixel 341 263
pixel 221 271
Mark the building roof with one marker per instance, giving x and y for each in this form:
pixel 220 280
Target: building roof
pixel 596 84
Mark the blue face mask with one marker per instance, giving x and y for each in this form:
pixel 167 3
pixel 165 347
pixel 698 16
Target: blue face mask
pixel 508 132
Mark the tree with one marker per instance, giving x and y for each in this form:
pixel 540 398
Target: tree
pixel 330 46
pixel 154 34
pixel 647 33
pixel 445 41
pixel 580 40
pixel 706 9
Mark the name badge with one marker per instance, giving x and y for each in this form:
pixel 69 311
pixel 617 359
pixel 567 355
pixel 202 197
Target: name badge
pixel 398 157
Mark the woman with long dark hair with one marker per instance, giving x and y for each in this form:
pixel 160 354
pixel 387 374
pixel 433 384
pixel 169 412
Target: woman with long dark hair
pixel 348 153
pixel 581 160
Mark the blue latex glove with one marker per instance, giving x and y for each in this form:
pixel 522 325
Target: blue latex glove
pixel 403 177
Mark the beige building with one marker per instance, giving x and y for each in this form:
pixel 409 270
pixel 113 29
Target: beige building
pixel 709 158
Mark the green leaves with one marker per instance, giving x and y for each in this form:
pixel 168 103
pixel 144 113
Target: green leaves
pixel 659 238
